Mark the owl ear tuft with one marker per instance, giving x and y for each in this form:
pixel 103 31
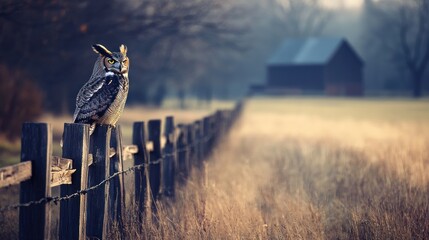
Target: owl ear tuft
pixel 123 49
pixel 102 50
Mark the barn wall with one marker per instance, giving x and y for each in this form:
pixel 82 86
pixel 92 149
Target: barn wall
pixel 343 73
pixel 296 77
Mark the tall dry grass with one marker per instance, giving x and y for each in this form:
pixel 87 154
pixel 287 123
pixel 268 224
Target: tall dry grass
pixel 288 174
pixel 306 169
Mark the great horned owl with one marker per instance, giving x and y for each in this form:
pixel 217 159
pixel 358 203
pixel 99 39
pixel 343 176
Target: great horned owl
pixel 102 99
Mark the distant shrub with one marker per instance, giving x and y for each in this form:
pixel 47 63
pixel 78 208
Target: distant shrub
pixel 20 101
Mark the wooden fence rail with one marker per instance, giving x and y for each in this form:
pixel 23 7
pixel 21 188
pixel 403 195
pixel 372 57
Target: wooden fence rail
pixel 91 172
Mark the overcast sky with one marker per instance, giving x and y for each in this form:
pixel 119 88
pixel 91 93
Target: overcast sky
pixel 343 3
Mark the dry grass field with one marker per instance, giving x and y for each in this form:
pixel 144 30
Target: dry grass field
pixel 309 169
pixel 305 168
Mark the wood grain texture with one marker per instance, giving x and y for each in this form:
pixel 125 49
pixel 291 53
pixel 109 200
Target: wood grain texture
pixel 181 144
pixel 116 187
pixel 61 171
pixel 15 174
pixel 97 200
pixel 73 211
pixel 169 162
pixel 141 176
pixel 36 144
pixel 155 174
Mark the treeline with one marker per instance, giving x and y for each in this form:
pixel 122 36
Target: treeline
pixel 207 48
pixel 50 41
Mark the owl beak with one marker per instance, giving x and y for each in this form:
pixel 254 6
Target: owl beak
pixel 122 69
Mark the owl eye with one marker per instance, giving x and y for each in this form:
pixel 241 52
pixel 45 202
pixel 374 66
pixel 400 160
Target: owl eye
pixel 111 61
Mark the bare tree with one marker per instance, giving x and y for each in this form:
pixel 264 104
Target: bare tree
pixel 301 17
pixel 160 34
pixel 401 29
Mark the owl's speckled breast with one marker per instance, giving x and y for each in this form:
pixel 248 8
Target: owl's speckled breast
pixel 112 114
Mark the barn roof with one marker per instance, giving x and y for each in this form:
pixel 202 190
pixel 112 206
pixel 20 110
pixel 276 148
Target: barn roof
pixel 306 51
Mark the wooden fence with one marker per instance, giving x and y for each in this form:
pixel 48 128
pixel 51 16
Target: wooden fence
pixel 94 187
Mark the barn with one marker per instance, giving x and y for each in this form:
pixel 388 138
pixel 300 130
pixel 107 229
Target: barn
pixel 316 66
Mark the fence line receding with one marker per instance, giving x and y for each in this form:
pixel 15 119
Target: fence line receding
pixel 95 187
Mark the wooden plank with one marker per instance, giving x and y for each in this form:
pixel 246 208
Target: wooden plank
pixel 36 144
pixel 61 171
pixel 15 174
pixel 116 187
pixel 73 212
pixel 155 175
pixel 169 159
pixel 128 152
pixel 141 184
pixel 97 202
pixel 149 146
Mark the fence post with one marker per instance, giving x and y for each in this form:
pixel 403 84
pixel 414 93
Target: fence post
pixel 218 124
pixel 141 186
pixel 72 212
pixel 191 147
pixel 182 153
pixel 97 208
pixel 207 134
pixel 223 122
pixel 116 186
pixel 228 119
pixel 239 108
pixel 36 145
pixel 213 135
pixel 199 144
pixel 155 177
pixel 169 158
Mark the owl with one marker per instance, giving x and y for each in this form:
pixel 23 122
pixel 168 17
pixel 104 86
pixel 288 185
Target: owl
pixel 102 98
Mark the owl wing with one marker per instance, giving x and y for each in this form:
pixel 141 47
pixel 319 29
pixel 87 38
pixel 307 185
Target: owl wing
pixel 95 97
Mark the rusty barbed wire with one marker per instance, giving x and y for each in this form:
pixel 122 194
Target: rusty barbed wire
pixel 57 199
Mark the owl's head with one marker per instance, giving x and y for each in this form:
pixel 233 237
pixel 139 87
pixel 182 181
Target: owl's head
pixel 116 62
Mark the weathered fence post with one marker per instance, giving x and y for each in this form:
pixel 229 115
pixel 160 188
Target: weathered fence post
pixel 182 153
pixel 207 134
pixel 191 147
pixel 142 189
pixel 217 126
pixel 97 200
pixel 199 144
pixel 225 116
pixel 169 163
pixel 116 186
pixel 36 146
pixel 72 211
pixel 227 119
pixel 213 135
pixel 155 158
